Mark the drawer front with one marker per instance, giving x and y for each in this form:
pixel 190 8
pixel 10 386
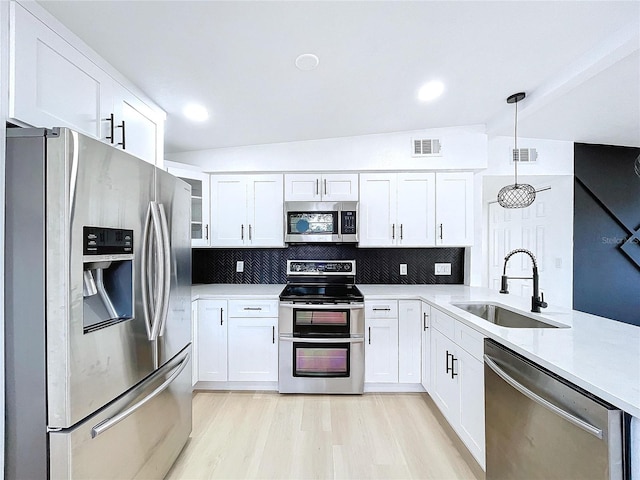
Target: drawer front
pixel 253 308
pixel 381 309
pixel 443 322
pixel 469 339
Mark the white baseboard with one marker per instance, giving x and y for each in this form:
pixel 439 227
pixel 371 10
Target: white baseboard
pixel 266 386
pixel 393 387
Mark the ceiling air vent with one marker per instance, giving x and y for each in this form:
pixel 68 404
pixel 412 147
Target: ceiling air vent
pixel 524 155
pixel 426 147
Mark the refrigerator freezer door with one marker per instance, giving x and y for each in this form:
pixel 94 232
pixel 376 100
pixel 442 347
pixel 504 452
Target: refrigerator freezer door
pixel 174 198
pixel 91 184
pixel 138 436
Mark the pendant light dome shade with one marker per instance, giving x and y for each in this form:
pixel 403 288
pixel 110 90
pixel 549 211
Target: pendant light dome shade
pixel 517 195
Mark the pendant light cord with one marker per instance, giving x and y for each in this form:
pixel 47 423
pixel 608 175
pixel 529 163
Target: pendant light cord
pixel 516 155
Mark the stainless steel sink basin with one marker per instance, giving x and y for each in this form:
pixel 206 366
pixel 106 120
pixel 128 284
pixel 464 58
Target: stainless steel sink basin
pixel 502 316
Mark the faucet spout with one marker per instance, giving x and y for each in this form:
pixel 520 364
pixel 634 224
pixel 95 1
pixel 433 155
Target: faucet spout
pixel 537 301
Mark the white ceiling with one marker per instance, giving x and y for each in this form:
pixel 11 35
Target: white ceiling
pixel 578 61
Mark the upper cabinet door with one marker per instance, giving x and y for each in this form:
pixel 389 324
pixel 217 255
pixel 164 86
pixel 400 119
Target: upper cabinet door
pixel 454 209
pixel 339 187
pixel 416 209
pixel 229 225
pixel 328 187
pixel 378 210
pixel 303 187
pixel 138 128
pixel 200 201
pixel 266 206
pixel 52 84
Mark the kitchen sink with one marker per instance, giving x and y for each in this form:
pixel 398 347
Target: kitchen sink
pixel 502 316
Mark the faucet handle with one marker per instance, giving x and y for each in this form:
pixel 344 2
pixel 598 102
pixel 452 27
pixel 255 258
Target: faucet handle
pixel 542 303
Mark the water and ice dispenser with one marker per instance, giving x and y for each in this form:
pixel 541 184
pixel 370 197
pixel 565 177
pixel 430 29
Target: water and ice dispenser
pixel 107 277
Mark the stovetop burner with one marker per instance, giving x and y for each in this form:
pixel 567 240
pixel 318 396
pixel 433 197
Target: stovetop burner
pixel 321 281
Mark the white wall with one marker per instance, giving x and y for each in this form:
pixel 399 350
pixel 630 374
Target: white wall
pixel 462 148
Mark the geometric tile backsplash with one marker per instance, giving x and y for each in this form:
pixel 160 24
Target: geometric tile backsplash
pixel 373 265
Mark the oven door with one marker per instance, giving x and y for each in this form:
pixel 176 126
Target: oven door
pixel 321 365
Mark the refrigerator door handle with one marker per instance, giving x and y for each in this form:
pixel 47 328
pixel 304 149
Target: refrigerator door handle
pixel 166 278
pixel 117 418
pixel 158 273
pixel 146 274
pixel 74 173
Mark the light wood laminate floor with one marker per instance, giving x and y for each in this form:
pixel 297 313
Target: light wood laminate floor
pixel 268 435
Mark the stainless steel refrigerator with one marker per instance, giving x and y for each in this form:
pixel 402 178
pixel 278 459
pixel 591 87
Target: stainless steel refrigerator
pixel 97 310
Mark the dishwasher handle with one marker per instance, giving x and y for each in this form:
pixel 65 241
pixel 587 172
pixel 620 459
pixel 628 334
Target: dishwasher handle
pixel 587 427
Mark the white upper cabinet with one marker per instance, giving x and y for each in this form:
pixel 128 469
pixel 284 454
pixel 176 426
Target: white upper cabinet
pixel 327 187
pixel 200 202
pixel 397 209
pixel 454 209
pixel 247 210
pixel 54 84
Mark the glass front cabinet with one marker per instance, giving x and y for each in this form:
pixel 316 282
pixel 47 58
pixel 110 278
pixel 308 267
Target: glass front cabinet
pixel 199 181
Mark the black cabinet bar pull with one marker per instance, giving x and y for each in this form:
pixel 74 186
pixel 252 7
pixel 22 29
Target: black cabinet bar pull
pixel 325 186
pixel 206 232
pixel 386 309
pixel 242 232
pixel 273 334
pixel 249 231
pixel 400 231
pixel 440 231
pixel 393 231
pixel 111 125
pixel 221 316
pixel 448 369
pixel 317 187
pixel 253 308
pixel 369 335
pixel 424 316
pixel 124 135
pixel 453 371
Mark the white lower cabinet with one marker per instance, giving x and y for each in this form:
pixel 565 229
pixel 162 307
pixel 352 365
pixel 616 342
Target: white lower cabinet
pixel 210 349
pixel 253 349
pixel 393 341
pixel 235 340
pixel 426 346
pixel 457 379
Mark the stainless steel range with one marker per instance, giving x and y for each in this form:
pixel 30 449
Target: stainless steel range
pixel 321 325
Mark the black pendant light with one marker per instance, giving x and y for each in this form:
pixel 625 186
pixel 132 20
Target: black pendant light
pixel 518 195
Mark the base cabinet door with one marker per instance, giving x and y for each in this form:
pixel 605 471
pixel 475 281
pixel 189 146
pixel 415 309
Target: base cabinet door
pixel 471 429
pixel 211 345
pixel 409 341
pixel 426 347
pixel 253 349
pixel 445 389
pixel 381 350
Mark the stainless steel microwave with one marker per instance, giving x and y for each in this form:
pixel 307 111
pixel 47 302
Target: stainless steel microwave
pixel 321 222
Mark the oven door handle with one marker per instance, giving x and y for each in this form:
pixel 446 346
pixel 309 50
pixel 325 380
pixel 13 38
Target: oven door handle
pixel 333 306
pixel 321 340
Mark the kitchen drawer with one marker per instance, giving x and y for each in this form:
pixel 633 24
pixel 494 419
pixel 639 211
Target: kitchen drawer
pixel 253 308
pixel 381 309
pixel 443 322
pixel 469 339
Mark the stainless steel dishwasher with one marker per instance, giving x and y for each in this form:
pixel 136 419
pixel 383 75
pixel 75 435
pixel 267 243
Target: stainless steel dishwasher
pixel 539 426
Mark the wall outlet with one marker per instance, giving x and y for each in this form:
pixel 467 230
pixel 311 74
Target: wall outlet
pixel 239 266
pixel 403 269
pixel 443 269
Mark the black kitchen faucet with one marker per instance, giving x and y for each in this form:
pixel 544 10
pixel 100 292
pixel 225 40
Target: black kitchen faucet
pixel 537 301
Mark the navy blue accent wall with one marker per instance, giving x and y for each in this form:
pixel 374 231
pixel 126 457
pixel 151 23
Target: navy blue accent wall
pixel 373 265
pixel 606 232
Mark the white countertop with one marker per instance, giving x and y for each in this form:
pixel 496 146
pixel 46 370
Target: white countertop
pixel 597 354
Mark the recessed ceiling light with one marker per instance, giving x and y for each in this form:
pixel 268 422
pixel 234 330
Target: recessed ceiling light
pixel 307 61
pixel 195 112
pixel 430 91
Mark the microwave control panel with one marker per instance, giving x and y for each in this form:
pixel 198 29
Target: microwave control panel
pixel 348 222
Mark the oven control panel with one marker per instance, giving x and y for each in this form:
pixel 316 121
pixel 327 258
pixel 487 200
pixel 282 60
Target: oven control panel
pixel 321 267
